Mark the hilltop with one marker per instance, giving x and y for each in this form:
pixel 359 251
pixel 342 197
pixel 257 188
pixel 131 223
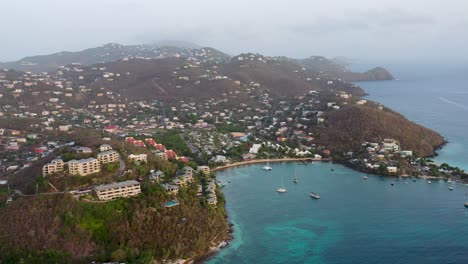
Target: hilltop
pixel 329 68
pixel 337 69
pixel 109 53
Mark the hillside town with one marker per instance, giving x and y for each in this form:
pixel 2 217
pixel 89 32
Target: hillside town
pixel 43 114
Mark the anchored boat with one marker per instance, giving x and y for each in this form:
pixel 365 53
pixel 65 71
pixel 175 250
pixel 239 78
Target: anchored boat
pixel 314 195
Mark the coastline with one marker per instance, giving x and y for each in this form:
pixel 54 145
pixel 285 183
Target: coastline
pixel 256 161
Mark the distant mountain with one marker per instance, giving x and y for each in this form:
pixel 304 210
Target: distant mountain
pixel 337 69
pixel 205 74
pixel 328 68
pixel 109 53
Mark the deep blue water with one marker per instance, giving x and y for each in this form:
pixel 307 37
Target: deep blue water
pixel 435 96
pixel 357 220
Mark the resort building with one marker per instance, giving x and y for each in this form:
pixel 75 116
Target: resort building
pixel 210 190
pixel 84 167
pixel 54 166
pixel 137 158
pixel 108 156
pixel 161 155
pixel 117 189
pixel 204 169
pixel 187 170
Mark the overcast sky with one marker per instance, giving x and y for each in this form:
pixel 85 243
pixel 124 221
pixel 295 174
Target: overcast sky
pixel 365 29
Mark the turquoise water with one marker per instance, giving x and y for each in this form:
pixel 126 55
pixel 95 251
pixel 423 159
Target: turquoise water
pixel 357 220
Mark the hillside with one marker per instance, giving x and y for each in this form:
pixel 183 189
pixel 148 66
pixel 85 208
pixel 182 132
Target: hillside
pixel 109 53
pixel 61 229
pixel 174 78
pixel 355 125
pixel 335 70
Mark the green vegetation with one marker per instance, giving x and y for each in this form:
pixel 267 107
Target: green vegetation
pixel 231 127
pixel 135 230
pixel 172 140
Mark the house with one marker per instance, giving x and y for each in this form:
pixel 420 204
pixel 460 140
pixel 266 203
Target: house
pixel 171 154
pixel 84 167
pixel 391 169
pixel 254 149
pixel 54 166
pixel 108 157
pixel 84 150
pixel 406 153
pixel 104 147
pixel 138 157
pixel 219 159
pixel 64 128
pixel 173 189
pixel 156 176
pixel 114 190
pixel 111 129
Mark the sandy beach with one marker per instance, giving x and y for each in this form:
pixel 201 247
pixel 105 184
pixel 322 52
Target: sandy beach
pixel 255 161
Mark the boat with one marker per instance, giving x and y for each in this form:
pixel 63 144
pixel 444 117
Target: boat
pixel 451 188
pixel 267 166
pixel 449 181
pixel 282 189
pixel 405 183
pixel 429 182
pixel 314 195
pixel 466 204
pixel 296 180
pixel 365 177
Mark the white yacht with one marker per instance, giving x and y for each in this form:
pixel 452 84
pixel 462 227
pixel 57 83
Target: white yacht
pixel 314 195
pixel 267 167
pixel 282 189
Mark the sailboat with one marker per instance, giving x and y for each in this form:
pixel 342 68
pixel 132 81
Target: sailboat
pixel 296 180
pixel 282 189
pixel 267 167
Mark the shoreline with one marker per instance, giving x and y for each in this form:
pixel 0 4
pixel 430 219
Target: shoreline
pixel 257 161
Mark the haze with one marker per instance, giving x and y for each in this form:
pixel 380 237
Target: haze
pixel 363 29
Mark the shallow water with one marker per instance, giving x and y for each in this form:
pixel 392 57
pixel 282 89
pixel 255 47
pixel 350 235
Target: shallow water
pixel 355 221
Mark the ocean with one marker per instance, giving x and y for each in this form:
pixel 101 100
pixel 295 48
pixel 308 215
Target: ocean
pixel 357 220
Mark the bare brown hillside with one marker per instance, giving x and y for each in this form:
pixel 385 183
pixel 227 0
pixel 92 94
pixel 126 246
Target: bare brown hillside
pixel 347 129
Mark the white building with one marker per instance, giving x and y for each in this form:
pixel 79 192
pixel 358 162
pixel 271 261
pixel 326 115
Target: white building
pixel 117 189
pixel 138 157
